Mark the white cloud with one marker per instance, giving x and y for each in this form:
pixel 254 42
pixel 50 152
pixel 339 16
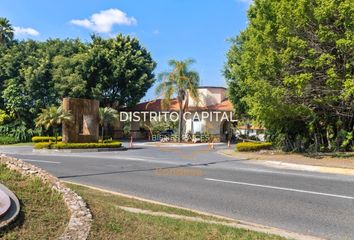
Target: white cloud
pixel 25 31
pixel 156 32
pixel 103 21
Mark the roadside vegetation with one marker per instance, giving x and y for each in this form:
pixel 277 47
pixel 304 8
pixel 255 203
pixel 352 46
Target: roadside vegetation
pixel 253 146
pixel 181 82
pixel 292 71
pixel 112 222
pixel 43 212
pixel 53 117
pixel 35 75
pixel 61 145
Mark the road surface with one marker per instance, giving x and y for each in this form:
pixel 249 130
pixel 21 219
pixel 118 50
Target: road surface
pixel 194 177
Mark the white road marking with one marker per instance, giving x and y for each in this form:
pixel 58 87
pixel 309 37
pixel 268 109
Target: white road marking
pixel 41 161
pixel 281 188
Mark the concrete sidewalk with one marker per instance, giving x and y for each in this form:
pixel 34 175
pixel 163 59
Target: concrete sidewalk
pixel 296 162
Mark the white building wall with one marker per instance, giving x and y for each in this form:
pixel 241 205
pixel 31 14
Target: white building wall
pixel 209 97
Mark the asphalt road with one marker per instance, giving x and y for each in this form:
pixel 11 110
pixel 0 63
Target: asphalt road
pixel 194 177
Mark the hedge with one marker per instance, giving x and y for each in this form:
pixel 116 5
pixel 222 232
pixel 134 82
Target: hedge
pixel 42 145
pixel 7 140
pixel 252 146
pixel 77 145
pixel 39 139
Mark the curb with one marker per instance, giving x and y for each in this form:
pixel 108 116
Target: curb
pixel 232 222
pixel 310 168
pixel 295 166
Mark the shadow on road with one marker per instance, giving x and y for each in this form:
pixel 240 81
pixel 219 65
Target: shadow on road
pixel 149 169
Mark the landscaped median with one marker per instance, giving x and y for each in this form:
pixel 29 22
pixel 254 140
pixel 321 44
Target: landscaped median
pixel 61 145
pixel 39 139
pixel 49 210
pixel 37 198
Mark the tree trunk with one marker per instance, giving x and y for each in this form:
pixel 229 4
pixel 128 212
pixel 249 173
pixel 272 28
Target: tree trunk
pixel 180 123
pixel 102 132
pixel 55 134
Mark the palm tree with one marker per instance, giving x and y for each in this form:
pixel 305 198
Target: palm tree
pixel 6 31
pixel 107 115
pixel 182 82
pixel 53 117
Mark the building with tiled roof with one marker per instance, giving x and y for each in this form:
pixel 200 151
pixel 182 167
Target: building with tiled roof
pixel 212 100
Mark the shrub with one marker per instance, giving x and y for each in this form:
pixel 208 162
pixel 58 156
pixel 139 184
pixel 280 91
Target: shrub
pixel 252 146
pixel 106 141
pixel 62 145
pixel 39 139
pixel 43 145
pixel 17 130
pixel 7 140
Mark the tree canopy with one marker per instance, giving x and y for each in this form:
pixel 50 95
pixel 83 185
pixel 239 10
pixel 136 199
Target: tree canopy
pixel 34 75
pixel 292 69
pixel 6 31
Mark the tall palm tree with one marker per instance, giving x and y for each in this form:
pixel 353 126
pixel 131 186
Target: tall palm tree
pixel 53 117
pixel 6 31
pixel 182 83
pixel 107 115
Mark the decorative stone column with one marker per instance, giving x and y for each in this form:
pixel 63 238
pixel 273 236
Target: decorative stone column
pixel 85 122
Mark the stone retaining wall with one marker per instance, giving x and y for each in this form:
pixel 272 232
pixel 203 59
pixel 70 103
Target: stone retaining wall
pixel 81 218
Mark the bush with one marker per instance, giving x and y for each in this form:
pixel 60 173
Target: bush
pixel 7 140
pixel 76 145
pixel 252 146
pixel 43 145
pixel 40 139
pixel 17 130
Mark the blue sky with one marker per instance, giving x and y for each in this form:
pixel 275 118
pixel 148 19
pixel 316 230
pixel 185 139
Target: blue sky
pixel 169 29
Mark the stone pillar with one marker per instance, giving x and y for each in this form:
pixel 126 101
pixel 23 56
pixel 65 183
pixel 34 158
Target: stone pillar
pixel 85 122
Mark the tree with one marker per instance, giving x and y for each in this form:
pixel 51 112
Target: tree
pixel 6 31
pixel 182 82
pixel 34 75
pixel 53 117
pixel 120 70
pixel 292 70
pixel 69 77
pixel 107 116
pixel 4 117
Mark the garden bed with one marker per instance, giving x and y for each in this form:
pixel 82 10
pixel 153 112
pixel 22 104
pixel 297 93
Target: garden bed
pixel 88 146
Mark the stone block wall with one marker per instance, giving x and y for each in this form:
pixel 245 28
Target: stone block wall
pixel 85 123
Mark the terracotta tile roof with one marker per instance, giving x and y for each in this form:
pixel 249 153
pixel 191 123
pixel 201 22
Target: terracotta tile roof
pixel 156 106
pixel 251 128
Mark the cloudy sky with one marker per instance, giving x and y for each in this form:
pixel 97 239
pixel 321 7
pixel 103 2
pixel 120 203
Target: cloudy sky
pixel 169 29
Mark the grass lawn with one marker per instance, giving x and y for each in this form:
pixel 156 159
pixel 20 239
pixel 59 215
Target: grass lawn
pixel 111 222
pixel 43 212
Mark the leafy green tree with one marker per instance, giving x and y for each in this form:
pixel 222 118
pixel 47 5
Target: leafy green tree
pixel 68 76
pixel 53 117
pixel 292 70
pixel 16 98
pixel 181 82
pixel 107 116
pixel 4 117
pixel 6 31
pixel 34 75
pixel 120 70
